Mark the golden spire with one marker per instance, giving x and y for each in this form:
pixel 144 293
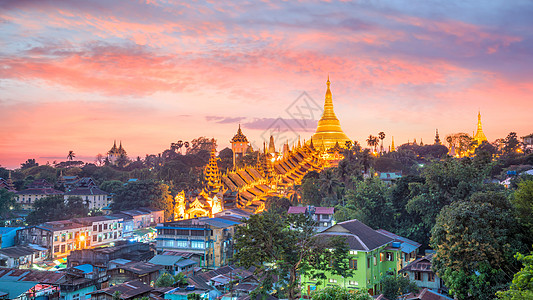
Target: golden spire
pixel 479 137
pixel 212 174
pixel 329 128
pixel 392 149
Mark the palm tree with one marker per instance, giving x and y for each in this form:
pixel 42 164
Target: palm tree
pixel 329 183
pixel 71 155
pixel 372 141
pixel 294 194
pixel 381 137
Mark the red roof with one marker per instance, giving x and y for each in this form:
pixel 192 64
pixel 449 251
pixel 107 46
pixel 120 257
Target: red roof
pixel 297 210
pixel 324 210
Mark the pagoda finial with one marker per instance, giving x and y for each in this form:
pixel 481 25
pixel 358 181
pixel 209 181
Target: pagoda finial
pixel 392 149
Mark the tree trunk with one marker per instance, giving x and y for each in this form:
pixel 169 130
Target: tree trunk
pixel 292 284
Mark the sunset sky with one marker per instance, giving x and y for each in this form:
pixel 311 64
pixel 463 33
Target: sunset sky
pixel 76 75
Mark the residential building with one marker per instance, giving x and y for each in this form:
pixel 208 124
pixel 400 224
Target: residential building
pixel 94 197
pixel 372 256
pixel 323 216
pixel 210 237
pixel 128 290
pixel 104 229
pixel 7 236
pixel 22 257
pixel 421 273
pixel 60 237
pixel 183 293
pixel 408 247
pixel 134 270
pixel 29 284
pixel 390 177
pixel 234 212
pixel 80 281
pixel 101 257
pixel 527 142
pixel 174 264
pixel 36 190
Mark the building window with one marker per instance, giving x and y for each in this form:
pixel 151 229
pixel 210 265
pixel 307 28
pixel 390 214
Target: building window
pixel 431 276
pixel 105 226
pixel 94 238
pixel 353 282
pixel 375 260
pixel 368 262
pixel 331 280
pixel 100 228
pixel 63 248
pixel 390 256
pixel 95 228
pixel 56 238
pixel 382 256
pixel 353 252
pixel 353 264
pixel 56 249
pixel 418 275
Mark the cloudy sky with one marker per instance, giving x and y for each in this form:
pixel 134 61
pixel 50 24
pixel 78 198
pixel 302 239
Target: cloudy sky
pixel 76 75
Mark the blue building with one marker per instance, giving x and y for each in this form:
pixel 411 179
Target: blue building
pixel 7 236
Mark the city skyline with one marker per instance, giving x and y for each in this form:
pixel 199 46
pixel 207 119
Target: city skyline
pixel 78 75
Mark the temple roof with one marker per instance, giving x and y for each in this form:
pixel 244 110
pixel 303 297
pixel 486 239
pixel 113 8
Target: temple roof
pixel 239 137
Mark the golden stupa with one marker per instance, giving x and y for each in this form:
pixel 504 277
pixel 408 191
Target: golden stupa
pixel 479 137
pixel 328 132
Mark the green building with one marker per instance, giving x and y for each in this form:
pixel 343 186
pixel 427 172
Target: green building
pixel 372 255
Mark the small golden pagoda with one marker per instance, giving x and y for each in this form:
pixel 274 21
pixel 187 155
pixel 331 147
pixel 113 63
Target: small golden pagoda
pixel 479 137
pixel 329 132
pixel 210 199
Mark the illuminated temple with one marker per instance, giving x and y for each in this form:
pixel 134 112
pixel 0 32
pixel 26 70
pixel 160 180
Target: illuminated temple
pixel 248 187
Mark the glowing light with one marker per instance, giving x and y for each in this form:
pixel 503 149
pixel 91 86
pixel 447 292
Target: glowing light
pixel 82 238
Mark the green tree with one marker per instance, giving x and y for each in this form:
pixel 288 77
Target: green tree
pixel 193 296
pixel 180 279
pixel 523 203
pixel 7 202
pixel 474 242
pixel 30 163
pixel 76 207
pixel 165 280
pixel 277 204
pixel 371 203
pixel 50 208
pixel 329 186
pixel 393 286
pixel 340 293
pixel 111 186
pixel 144 193
pixel 311 194
pixel 444 183
pixel 278 246
pixel 511 143
pixel 522 286
pixel 116 296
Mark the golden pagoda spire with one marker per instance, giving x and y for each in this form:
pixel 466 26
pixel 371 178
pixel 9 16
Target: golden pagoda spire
pixel 479 137
pixel 329 128
pixel 212 174
pixel 392 149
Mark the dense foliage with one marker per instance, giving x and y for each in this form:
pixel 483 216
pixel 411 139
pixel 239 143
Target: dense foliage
pixel 281 246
